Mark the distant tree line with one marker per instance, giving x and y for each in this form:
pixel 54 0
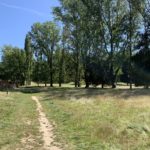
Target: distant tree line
pixel 100 42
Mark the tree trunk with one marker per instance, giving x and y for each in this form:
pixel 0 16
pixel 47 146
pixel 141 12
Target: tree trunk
pixel 61 67
pixel 130 65
pixel 51 77
pixel 87 85
pixel 146 86
pixel 111 53
pixel 51 67
pixel 77 78
pixel 45 84
pixel 86 78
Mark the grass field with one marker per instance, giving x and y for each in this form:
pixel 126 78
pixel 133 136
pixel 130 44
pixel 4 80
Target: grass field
pixel 18 123
pixel 86 119
pixel 100 119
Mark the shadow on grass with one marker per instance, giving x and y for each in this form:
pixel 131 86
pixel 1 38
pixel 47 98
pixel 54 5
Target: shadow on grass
pixel 26 90
pixel 68 93
pixel 78 93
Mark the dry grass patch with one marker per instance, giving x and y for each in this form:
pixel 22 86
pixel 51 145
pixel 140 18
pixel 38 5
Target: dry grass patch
pixel 100 119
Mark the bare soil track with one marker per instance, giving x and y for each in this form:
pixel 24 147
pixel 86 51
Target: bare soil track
pixel 46 128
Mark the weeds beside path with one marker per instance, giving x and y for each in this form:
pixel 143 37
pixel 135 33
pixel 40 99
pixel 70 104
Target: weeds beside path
pixel 19 127
pixel 23 123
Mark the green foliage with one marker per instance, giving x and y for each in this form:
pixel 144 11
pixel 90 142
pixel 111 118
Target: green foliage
pixel 99 34
pixel 95 43
pixel 29 59
pixel 41 72
pixel 44 40
pixel 142 58
pixel 13 64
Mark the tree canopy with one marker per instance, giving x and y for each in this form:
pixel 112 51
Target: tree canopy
pixel 91 41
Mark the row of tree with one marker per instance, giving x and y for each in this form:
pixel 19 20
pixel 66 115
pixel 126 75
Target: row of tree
pixel 95 41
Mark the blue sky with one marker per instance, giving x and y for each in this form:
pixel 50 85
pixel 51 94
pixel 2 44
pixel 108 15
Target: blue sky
pixel 17 17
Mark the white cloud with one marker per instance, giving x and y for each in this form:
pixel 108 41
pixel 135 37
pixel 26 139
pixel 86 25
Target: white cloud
pixel 40 14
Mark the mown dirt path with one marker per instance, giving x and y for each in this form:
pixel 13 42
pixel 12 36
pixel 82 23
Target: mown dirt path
pixel 45 128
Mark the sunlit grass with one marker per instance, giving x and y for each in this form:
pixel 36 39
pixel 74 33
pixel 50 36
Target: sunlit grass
pixel 85 119
pixel 18 122
pixel 100 119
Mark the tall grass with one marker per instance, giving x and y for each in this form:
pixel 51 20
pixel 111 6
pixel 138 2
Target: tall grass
pixel 100 119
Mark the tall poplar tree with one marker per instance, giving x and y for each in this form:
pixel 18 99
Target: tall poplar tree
pixel 29 59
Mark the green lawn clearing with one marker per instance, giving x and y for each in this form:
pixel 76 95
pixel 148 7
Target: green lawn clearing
pixel 97 119
pixel 18 122
pixel 83 119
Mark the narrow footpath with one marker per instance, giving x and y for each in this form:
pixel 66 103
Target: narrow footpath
pixel 45 128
